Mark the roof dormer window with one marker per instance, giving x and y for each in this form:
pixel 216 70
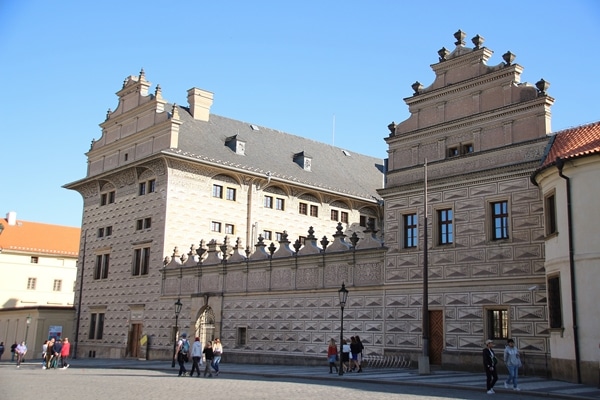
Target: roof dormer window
pixel 303 160
pixel 236 145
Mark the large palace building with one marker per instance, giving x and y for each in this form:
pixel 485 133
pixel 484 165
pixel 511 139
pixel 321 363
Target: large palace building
pixel 253 231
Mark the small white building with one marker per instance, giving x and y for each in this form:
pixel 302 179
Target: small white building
pixel 38 265
pixel 568 178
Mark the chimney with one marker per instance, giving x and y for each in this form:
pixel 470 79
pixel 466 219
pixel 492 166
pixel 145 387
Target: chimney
pixel 200 102
pixel 11 218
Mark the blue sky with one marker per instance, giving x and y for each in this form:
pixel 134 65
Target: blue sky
pixel 291 65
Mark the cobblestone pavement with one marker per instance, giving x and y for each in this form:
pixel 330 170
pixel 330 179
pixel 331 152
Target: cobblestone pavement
pixel 132 379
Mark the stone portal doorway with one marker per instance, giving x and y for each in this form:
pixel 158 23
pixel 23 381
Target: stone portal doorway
pixel 205 325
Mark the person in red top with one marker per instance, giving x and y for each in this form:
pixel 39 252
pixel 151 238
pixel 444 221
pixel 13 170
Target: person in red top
pixel 64 353
pixel 332 354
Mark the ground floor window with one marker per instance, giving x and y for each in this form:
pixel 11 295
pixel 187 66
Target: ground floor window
pixel 497 324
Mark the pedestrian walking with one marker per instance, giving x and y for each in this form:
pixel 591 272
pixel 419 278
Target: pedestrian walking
pixel 512 359
pixel 489 363
pixel 50 353
pixel 65 353
pixel 44 351
pixel 217 353
pixel 182 354
pixel 345 355
pixel 21 350
pixel 196 356
pixel 57 353
pixel 360 355
pixel 332 355
pixel 1 350
pixel 13 351
pixel 208 358
pixel 354 352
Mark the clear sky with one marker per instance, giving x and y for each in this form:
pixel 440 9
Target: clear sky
pixel 333 71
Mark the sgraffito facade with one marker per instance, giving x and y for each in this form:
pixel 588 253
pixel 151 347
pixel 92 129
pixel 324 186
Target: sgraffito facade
pixel 182 183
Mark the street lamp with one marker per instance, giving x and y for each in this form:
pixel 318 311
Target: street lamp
pixel 28 319
pixel 177 311
pixel 343 293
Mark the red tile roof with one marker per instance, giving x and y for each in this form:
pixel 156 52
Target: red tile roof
pixel 572 143
pixel 35 237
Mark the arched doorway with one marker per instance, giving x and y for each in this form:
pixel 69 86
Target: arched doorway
pixel 205 325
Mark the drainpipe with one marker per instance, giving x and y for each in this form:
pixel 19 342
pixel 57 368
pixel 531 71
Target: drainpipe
pixel 560 163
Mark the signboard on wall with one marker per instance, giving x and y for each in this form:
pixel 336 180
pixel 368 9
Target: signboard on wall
pixel 55 331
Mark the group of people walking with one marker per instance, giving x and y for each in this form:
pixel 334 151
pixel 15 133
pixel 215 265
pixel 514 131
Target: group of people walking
pixel 352 355
pixel 211 352
pixel 55 353
pixel 512 360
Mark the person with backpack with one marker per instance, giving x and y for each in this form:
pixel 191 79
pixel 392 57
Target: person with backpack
pixel 182 354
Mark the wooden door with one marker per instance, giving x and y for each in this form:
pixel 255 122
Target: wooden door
pixel 133 342
pixel 436 337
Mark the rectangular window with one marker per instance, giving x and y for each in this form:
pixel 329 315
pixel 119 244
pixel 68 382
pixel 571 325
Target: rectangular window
pixel 241 337
pixel 100 232
pixel 139 224
pixel 217 191
pixel 215 226
pixel 410 231
pixel 453 152
pixel 152 186
pixel 96 326
pixel 500 220
pixel 34 260
pixel 550 213
pixel 467 148
pixel 229 229
pixel 314 211
pixel 302 240
pixel 111 197
pixel 101 266
pixel 497 323
pixel 363 221
pixel 268 235
pixel 92 333
pixel 279 236
pixel 103 199
pixel 303 208
pixel 142 189
pixel 344 217
pixel 334 215
pixel 147 223
pixel 141 261
pixel 268 202
pixel 279 204
pixel 230 194
pixel 57 285
pixel 371 222
pixel 445 227
pixel 108 230
pixel 554 302
pixel 31 283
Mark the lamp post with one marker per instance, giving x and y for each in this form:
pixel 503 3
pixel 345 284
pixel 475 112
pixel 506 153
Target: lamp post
pixel 177 311
pixel 28 320
pixel 343 293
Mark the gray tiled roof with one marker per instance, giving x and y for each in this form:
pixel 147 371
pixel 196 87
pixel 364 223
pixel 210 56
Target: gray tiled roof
pixel 269 150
